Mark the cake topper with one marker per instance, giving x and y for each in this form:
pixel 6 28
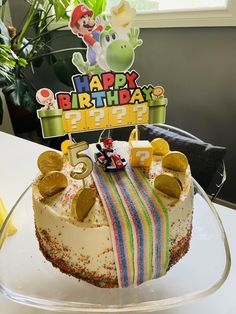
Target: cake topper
pixel 106 93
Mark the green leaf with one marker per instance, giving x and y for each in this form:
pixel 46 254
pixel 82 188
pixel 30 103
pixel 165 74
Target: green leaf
pixel 97 6
pixel 31 2
pixel 28 50
pixel 22 62
pixel 7 63
pixel 6 77
pixel 21 94
pixel 60 7
pixel 89 3
pixel 18 92
pixel 2 82
pixel 5 38
pixel 3 2
pixel 10 63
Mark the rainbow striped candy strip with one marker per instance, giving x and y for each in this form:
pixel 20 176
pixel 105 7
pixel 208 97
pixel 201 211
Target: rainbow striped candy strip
pixel 138 222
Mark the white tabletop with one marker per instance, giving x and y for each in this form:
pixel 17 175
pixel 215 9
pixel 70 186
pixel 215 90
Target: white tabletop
pixel 18 166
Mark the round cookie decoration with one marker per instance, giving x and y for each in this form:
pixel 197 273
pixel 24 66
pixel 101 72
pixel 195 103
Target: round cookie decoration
pixel 64 146
pixel 52 183
pixel 106 93
pixel 176 161
pixel 133 135
pixel 82 202
pixel 50 161
pixel 160 146
pixel 168 184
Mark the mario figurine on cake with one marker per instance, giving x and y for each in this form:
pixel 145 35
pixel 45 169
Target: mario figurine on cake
pixel 83 24
pixel 108 158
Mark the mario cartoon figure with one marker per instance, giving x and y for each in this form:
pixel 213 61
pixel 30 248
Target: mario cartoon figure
pixel 108 147
pixel 108 157
pixel 83 25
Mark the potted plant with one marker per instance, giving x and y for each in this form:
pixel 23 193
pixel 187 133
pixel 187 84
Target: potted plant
pixel 21 51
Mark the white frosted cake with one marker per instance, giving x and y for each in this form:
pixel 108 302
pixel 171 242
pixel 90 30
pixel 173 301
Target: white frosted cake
pixel 85 249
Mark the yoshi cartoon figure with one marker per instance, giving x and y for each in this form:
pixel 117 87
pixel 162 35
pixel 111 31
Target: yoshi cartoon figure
pixel 116 54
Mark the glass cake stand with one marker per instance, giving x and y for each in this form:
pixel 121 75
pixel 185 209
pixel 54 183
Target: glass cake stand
pixel 26 277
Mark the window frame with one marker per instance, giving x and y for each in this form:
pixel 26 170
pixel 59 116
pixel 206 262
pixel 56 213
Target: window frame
pixel 197 18
pixel 175 19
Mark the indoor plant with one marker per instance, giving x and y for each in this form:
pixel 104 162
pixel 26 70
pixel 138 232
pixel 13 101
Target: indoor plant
pixel 27 47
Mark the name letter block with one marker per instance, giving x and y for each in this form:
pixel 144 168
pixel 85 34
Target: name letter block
pixel 141 153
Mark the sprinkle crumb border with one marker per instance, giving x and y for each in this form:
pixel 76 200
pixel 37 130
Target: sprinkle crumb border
pixel 176 253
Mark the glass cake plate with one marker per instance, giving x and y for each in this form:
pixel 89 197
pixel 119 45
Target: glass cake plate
pixel 26 277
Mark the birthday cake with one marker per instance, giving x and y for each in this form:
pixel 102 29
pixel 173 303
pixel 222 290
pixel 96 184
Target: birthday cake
pixel 115 214
pixel 114 228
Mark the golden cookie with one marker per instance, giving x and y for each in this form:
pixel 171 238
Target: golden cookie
pixel 52 183
pixel 168 184
pixel 133 136
pixel 175 161
pixel 50 161
pixel 160 146
pixel 64 146
pixel 83 202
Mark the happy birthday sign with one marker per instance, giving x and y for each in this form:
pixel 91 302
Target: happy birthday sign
pixel 109 100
